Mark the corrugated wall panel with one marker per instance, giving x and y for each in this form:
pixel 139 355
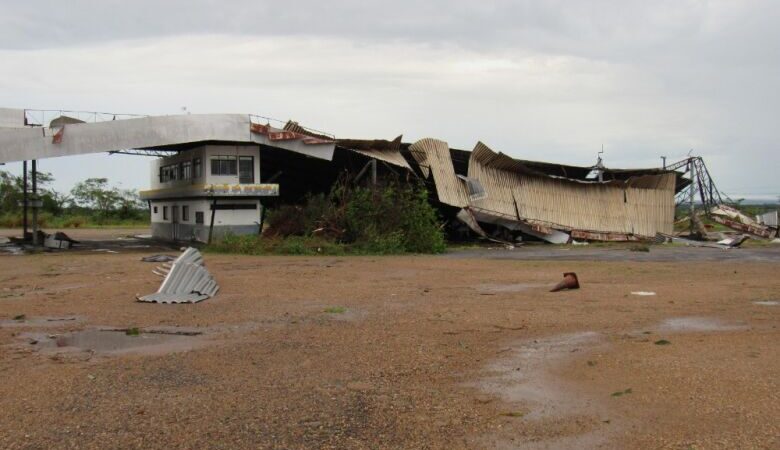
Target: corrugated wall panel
pixel 435 155
pixel 642 206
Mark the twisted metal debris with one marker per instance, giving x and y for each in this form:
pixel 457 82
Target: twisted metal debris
pixel 186 280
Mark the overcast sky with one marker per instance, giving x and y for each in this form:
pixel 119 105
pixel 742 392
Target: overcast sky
pixel 546 80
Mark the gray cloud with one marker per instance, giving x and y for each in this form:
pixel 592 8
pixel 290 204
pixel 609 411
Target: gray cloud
pixel 547 80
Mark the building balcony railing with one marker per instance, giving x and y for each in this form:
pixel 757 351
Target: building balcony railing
pixel 212 190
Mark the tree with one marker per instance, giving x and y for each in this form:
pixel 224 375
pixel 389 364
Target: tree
pixel 94 193
pixel 129 202
pixel 11 190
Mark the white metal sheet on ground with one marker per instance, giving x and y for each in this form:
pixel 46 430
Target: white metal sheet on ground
pixel 186 281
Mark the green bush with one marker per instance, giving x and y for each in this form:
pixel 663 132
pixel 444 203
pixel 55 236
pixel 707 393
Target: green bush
pixel 292 245
pixel 393 219
pixel 388 219
pixel 298 220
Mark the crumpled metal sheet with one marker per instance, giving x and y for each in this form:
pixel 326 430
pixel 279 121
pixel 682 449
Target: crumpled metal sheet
pixel 186 280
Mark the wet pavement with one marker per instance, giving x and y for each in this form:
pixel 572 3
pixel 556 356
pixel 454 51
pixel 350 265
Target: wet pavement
pixel 770 253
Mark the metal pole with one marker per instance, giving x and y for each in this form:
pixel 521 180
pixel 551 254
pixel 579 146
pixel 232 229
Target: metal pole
pixel 24 200
pixel 663 158
pixel 35 201
pixel 692 211
pixel 213 212
pixel 373 172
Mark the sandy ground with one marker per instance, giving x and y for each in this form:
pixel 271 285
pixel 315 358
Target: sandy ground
pixel 456 351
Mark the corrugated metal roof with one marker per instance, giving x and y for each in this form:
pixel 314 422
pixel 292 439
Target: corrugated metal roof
pixel 387 151
pixel 186 281
pixel 641 206
pixel 435 156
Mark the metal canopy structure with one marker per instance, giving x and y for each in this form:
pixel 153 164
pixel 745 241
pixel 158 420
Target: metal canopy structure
pixel 152 133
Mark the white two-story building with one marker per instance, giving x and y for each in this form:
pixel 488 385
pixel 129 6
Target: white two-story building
pixel 207 191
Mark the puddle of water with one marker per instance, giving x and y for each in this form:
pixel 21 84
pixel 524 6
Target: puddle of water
pixel 40 321
pixel 113 342
pixel 767 302
pixel 516 287
pixel 523 376
pixel 11 249
pixel 697 324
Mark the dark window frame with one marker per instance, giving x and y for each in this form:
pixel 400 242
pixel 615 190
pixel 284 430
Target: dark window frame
pixel 165 213
pixel 185 213
pixel 197 168
pixel 199 217
pixel 224 165
pixel 251 175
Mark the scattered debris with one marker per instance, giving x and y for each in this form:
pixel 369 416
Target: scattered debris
pixel 767 302
pixel 736 220
pixel 105 250
pixel 186 280
pixel 158 258
pixel 724 244
pixel 734 241
pixel 643 293
pixel 569 281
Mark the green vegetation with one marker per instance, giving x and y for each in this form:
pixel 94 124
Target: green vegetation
pixel 622 393
pixel 133 331
pixel 388 219
pixel 662 342
pixel 20 317
pixel 335 310
pixel 513 414
pixel 90 203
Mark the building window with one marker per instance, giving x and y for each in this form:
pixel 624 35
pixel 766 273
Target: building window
pixel 196 168
pixel 165 213
pixel 169 173
pixel 155 210
pixel 199 217
pixel 185 213
pixel 186 170
pixel 224 165
pixel 246 169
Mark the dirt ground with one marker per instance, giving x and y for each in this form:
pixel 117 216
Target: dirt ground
pixel 464 350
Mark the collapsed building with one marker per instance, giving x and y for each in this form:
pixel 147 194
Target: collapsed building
pixel 217 173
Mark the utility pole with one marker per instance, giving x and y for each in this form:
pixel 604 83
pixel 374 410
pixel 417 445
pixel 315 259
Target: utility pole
pixel 663 158
pixel 24 200
pixel 600 165
pixel 35 202
pixel 692 169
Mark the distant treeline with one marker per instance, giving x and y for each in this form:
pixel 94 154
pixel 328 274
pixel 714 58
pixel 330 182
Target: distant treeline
pixel 92 202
